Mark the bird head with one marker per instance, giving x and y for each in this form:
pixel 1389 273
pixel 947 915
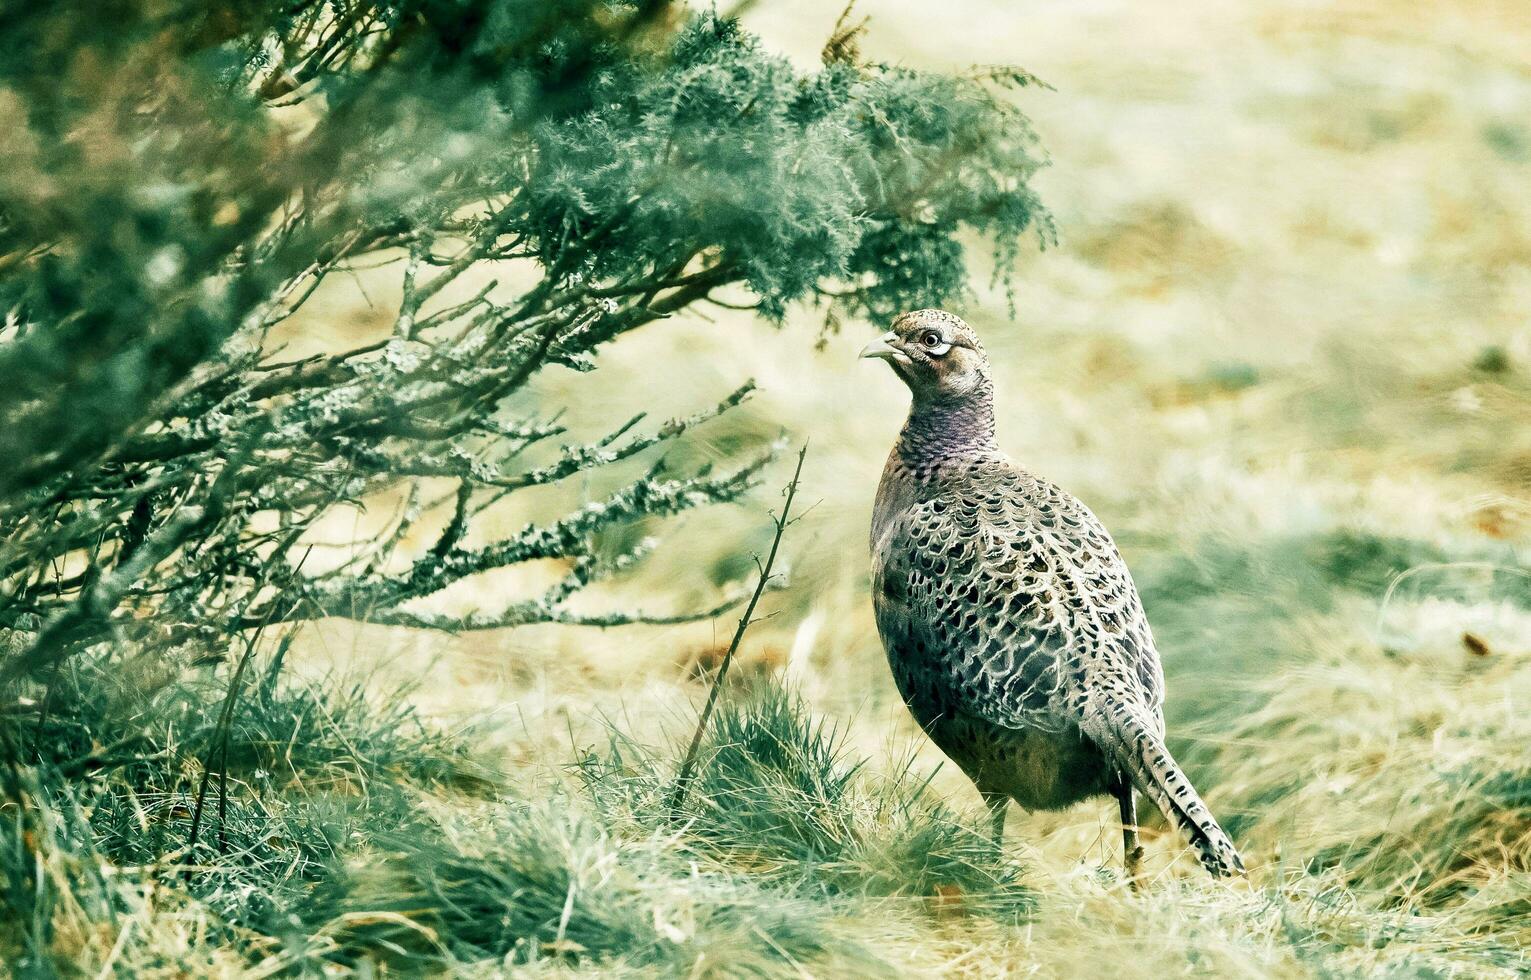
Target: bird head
pixel 935 353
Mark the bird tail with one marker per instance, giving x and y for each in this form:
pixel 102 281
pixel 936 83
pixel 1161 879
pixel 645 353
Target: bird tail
pixel 1141 752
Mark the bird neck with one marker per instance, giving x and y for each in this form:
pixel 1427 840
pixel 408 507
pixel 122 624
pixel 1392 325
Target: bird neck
pixel 939 428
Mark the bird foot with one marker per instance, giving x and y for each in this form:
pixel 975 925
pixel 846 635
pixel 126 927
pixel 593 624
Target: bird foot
pixel 1134 863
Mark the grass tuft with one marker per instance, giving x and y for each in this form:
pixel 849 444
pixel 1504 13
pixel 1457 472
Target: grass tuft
pixel 778 794
pixel 349 840
pixel 535 882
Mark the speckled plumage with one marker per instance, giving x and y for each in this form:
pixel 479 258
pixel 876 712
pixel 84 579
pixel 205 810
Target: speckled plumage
pixel 1011 623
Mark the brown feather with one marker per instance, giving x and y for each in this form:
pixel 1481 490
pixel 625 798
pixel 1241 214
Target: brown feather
pixel 1011 623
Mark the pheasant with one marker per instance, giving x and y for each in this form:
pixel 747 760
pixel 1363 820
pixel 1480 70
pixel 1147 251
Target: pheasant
pixel 1011 623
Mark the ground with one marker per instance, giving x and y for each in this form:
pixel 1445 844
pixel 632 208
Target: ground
pixel 1282 349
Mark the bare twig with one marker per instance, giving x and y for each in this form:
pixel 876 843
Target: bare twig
pixel 220 744
pixel 781 520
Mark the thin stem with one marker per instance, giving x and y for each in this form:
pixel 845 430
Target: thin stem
pixel 220 749
pixel 688 764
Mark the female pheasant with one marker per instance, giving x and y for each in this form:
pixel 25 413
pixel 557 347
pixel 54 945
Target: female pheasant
pixel 1012 626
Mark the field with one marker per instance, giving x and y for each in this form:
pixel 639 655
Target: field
pixel 1282 349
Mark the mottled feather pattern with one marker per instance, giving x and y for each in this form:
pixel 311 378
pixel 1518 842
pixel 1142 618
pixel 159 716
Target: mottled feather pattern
pixel 1017 592
pixel 1012 625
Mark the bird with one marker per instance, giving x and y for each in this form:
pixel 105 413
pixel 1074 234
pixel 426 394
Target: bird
pixel 1012 627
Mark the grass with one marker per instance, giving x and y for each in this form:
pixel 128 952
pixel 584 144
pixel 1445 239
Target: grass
pixel 543 883
pixel 107 804
pixel 358 840
pixel 1281 351
pixel 780 796
pixel 1382 797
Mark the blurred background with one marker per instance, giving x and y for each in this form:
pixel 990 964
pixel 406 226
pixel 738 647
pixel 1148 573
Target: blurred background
pixel 1281 347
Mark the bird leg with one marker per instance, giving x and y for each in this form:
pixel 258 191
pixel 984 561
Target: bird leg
pixel 1132 851
pixel 997 803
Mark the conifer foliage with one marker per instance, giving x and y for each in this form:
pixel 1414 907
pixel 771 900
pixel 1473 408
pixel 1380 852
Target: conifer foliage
pixel 180 178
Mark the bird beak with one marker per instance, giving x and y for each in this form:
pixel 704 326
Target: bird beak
pixel 882 349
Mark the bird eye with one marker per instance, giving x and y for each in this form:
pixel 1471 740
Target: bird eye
pixel 933 344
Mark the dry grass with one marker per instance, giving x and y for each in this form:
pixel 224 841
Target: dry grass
pixel 1283 351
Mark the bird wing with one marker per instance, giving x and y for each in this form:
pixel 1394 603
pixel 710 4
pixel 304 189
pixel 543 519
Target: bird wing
pixel 1013 595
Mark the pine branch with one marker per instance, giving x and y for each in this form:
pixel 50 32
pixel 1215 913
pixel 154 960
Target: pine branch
pixel 655 162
